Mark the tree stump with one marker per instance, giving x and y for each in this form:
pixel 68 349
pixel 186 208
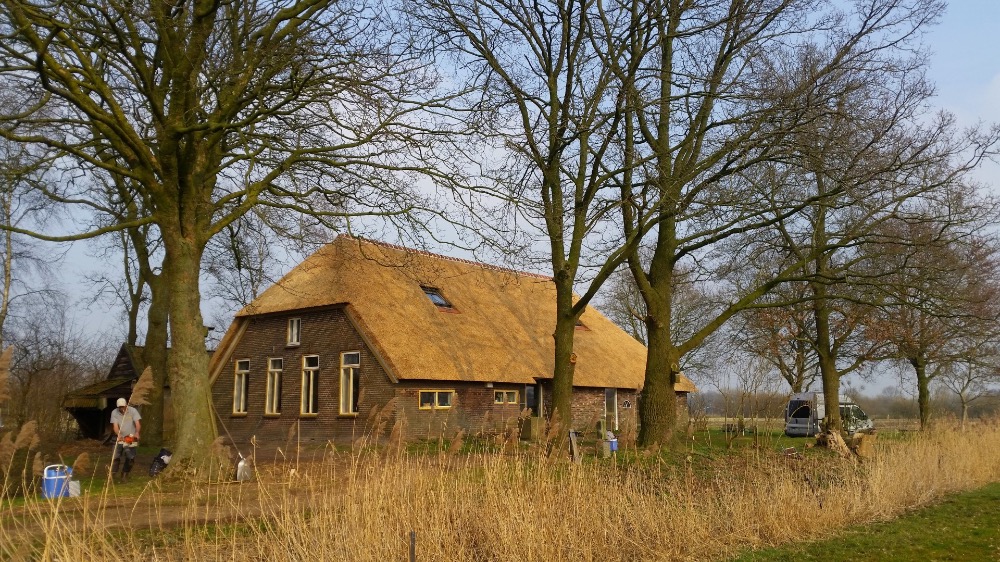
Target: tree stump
pixel 833 441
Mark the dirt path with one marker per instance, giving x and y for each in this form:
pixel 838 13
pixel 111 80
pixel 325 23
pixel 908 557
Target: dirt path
pixel 141 503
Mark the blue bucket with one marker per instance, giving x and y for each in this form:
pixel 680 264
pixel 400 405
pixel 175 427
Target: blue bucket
pixel 55 481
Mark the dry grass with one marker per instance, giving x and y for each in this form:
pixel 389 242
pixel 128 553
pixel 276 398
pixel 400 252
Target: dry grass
pixel 362 505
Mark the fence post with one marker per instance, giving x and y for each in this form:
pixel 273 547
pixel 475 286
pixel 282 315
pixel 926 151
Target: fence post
pixel 413 546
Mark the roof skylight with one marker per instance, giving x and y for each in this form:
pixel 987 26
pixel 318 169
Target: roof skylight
pixel 436 297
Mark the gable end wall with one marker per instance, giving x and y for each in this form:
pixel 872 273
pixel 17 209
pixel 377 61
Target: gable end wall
pixel 326 333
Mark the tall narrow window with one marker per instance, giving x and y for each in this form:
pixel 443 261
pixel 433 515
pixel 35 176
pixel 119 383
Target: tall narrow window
pixel 611 407
pixel 350 369
pixel 272 402
pixel 310 384
pixel 241 384
pixel 294 331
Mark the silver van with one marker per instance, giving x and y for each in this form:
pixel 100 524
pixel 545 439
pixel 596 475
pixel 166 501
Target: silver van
pixel 806 410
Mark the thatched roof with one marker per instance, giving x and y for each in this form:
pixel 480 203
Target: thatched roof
pixel 499 329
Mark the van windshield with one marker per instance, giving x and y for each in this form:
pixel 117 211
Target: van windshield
pixel 852 412
pixel 799 409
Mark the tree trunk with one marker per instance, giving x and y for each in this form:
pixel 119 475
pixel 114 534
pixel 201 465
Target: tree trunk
pixel 188 361
pixel 658 406
pixel 827 358
pixel 562 375
pixel 923 390
pixel 155 357
pixel 8 261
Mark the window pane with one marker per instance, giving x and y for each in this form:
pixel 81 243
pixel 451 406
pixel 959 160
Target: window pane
pixel 315 393
pixel 243 365
pixel 426 399
pixel 345 390
pixel 276 364
pixel 352 359
pixel 355 389
pixel 310 392
pixel 304 406
pixel 349 390
pixel 444 399
pixel 498 397
pixel 239 392
pixel 312 361
pixel 273 405
pixel 436 297
pixel 512 397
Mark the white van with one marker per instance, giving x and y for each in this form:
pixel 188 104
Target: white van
pixel 806 410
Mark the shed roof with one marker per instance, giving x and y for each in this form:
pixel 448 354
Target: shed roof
pixel 498 329
pixel 95 395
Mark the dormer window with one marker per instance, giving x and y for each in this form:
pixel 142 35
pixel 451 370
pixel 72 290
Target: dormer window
pixel 436 297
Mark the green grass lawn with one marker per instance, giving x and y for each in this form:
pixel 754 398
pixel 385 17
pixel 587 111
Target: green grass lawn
pixel 963 527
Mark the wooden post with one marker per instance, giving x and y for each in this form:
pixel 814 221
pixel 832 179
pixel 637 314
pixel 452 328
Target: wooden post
pixel 574 447
pixel 413 546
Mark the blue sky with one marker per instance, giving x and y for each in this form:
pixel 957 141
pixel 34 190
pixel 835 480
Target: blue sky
pixel 965 65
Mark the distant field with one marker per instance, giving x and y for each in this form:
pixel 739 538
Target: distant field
pixel 778 424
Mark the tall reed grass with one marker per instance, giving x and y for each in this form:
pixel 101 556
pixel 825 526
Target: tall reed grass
pixel 515 505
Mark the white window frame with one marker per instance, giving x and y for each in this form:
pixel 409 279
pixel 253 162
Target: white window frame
pixel 272 397
pixel 436 405
pixel 309 405
pixel 349 383
pixel 615 424
pixel 241 385
pixel 294 332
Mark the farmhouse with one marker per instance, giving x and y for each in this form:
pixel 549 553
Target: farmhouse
pixel 363 337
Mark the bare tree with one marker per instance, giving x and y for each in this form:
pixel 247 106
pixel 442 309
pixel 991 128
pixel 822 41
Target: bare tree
pixel 693 301
pixel 208 109
pixel 725 87
pixel 940 293
pixel 971 381
pixel 52 356
pixel 781 335
pixel 124 287
pixel 253 252
pixel 23 268
pixel 546 103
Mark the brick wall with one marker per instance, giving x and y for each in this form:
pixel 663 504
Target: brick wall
pixel 474 410
pixel 326 333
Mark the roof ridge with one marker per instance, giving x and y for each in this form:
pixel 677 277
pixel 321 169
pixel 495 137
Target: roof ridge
pixel 483 265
